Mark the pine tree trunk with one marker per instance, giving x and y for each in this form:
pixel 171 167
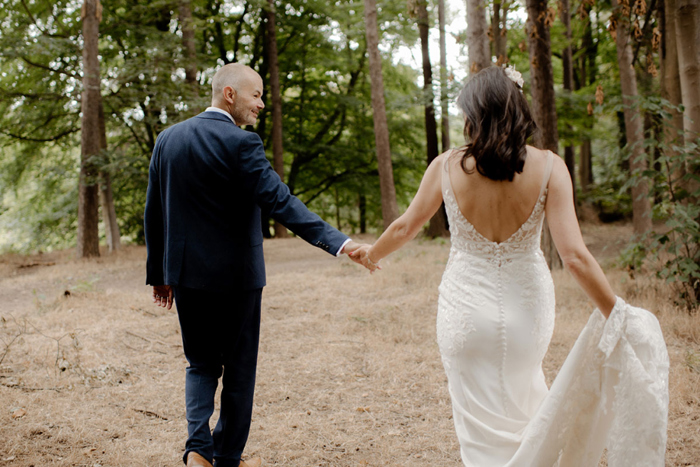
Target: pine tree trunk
pixel 499 31
pixel 586 68
pixel 390 210
pixel 88 200
pixel 109 213
pixel 641 208
pixel 477 36
pixel 362 206
pixel 585 167
pixel 688 38
pixel 671 89
pixel 438 223
pixel 444 103
pixel 187 27
pixel 543 99
pixel 276 95
pixel 568 82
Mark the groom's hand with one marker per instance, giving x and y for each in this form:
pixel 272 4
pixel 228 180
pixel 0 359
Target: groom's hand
pixel 361 256
pixel 163 296
pixel 351 248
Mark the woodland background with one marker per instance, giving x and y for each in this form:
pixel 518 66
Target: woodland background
pixel 91 373
pixel 86 87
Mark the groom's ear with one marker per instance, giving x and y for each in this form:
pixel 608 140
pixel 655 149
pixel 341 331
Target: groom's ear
pixel 229 95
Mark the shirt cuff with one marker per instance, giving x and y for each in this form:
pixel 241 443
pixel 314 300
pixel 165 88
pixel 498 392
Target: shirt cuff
pixel 343 246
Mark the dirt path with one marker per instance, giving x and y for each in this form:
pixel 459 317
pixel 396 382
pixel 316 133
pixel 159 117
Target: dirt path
pixel 349 372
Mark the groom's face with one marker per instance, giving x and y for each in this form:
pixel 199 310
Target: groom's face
pixel 248 101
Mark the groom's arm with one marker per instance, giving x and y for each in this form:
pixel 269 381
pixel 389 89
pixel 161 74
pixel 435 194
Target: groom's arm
pixel 153 223
pixel 274 198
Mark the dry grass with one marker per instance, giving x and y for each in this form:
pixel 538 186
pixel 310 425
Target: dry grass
pixel 349 371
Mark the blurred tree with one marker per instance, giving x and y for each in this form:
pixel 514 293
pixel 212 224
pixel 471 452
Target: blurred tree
pixel 540 19
pixel 477 36
pixel 390 209
pixel 88 202
pixel 641 208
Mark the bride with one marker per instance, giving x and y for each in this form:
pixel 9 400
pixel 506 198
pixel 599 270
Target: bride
pixel 496 304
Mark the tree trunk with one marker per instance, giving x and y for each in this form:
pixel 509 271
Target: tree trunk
pixel 109 213
pixel 586 76
pixel 499 31
pixel 543 99
pixel 671 90
pixel 687 38
pixel 88 201
pixel 641 208
pixel 444 103
pixel 390 210
pixel 585 167
pixel 276 95
pixel 438 223
pixel 185 13
pixel 362 206
pixel 477 36
pixel 568 82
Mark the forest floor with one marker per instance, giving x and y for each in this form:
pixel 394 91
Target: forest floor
pixel 92 373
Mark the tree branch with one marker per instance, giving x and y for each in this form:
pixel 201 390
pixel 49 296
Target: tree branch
pixel 40 140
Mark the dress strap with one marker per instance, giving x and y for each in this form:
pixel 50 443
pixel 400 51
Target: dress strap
pixel 547 173
pixel 446 185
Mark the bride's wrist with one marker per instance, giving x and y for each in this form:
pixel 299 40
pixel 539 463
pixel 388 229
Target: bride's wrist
pixel 369 258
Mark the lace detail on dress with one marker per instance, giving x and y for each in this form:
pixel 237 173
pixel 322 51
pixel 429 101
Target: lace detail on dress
pixel 465 237
pixel 612 391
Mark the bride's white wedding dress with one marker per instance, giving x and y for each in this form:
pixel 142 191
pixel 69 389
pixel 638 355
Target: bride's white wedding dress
pixel 494 324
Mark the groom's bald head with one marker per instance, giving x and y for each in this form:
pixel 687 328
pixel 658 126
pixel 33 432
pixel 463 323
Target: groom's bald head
pixel 238 90
pixel 233 75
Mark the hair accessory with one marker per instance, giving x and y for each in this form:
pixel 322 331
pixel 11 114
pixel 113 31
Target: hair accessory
pixel 514 76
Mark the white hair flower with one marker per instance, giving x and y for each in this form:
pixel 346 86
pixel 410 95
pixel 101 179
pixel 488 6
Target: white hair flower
pixel 514 76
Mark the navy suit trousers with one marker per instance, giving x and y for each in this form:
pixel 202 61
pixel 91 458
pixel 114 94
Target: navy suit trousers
pixel 220 334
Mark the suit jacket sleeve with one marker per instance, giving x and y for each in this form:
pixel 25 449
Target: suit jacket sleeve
pixel 153 222
pixel 275 199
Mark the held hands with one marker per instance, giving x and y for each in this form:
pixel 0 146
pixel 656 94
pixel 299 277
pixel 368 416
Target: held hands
pixel 352 249
pixel 163 296
pixel 361 256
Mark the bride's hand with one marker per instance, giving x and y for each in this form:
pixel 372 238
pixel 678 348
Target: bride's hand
pixel 361 256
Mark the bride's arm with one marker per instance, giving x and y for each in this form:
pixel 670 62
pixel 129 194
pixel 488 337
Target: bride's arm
pixel 566 233
pixel 426 203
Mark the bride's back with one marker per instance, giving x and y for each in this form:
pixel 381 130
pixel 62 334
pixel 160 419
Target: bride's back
pixel 497 209
pixel 496 179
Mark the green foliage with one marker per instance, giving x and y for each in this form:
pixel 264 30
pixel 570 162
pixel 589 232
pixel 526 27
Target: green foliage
pixel 327 113
pixel 674 250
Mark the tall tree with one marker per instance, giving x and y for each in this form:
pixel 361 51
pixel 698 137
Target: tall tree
pixel 568 81
pixel 390 209
pixel 584 76
pixel 687 40
pixel 499 30
pixel 641 208
pixel 188 44
pixel 671 86
pixel 88 201
pixel 276 94
pixel 109 213
pixel 477 36
pixel 438 223
pixel 444 104
pixel 539 20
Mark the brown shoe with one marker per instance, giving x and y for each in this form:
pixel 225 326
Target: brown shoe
pixel 254 462
pixel 195 460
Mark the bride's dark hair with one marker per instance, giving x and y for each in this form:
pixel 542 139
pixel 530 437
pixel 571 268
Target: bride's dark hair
pixel 497 124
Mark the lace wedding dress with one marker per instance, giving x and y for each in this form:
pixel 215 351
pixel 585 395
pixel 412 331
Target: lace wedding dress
pixel 494 324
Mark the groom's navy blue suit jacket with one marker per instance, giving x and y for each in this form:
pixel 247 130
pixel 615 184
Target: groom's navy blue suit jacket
pixel 208 181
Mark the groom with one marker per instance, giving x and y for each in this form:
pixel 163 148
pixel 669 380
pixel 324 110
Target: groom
pixel 208 182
